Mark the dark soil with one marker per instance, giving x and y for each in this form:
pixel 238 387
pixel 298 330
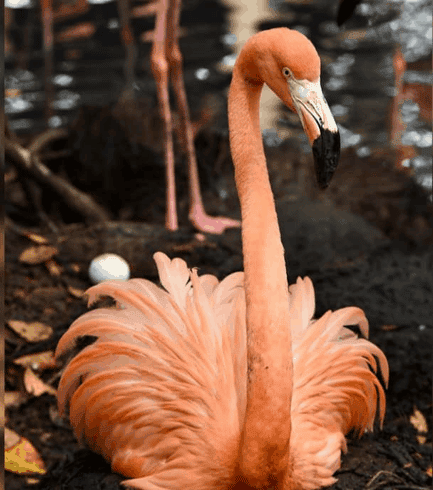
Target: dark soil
pixel 366 242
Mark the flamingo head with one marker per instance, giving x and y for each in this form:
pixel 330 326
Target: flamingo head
pixel 289 64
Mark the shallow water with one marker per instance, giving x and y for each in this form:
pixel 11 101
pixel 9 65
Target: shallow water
pixel 358 75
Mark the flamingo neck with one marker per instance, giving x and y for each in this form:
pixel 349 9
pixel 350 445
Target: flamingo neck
pixel 267 426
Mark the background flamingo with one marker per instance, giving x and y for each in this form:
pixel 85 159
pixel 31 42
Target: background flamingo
pixel 166 63
pixel 210 384
pixel 409 25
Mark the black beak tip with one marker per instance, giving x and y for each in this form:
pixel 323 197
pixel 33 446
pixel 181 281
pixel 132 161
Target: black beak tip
pixel 326 152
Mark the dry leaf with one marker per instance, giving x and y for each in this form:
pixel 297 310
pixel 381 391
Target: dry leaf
pixel 38 255
pixel 39 239
pixel 388 328
pixel 75 292
pixel 34 385
pixel 53 268
pixel 418 421
pixel 32 332
pixel 20 456
pixel 32 481
pixel 38 362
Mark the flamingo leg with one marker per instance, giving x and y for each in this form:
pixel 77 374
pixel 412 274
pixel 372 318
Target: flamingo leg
pixel 398 126
pixel 197 214
pixel 160 70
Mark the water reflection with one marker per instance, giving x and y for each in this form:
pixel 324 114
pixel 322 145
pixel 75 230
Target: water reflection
pixel 359 74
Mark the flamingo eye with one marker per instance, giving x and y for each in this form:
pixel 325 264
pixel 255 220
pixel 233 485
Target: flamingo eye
pixel 286 72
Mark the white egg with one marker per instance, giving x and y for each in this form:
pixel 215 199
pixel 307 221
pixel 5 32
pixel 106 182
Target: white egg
pixel 108 266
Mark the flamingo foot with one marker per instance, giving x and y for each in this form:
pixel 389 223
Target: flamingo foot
pixel 211 224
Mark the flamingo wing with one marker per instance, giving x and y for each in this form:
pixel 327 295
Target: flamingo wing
pixel 335 385
pixel 159 393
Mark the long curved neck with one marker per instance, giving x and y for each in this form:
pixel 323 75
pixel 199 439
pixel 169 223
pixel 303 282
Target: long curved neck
pixel 267 421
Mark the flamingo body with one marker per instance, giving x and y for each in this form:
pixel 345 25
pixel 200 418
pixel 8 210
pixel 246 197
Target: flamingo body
pixel 161 393
pixel 205 385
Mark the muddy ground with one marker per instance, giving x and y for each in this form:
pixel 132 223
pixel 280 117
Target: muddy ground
pixel 366 241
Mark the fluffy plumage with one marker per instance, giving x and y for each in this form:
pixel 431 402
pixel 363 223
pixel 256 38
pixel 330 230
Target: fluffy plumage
pixel 161 393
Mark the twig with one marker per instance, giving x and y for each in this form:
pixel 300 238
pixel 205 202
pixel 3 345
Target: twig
pixel 409 487
pixel 46 137
pixel 30 163
pixel 373 484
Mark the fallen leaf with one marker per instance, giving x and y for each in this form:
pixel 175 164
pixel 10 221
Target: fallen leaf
pixel 38 362
pixel 20 455
pixel 388 328
pixel 34 385
pixel 32 481
pixel 39 239
pixel 75 292
pixel 38 255
pixel 418 421
pixel 32 332
pixel 54 268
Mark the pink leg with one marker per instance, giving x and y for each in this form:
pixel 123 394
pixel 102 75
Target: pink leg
pixel 160 70
pixel 398 126
pixel 197 214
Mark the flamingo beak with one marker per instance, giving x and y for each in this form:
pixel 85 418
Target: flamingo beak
pixel 319 126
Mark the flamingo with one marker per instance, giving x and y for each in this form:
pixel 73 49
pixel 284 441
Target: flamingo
pixel 210 385
pixel 166 62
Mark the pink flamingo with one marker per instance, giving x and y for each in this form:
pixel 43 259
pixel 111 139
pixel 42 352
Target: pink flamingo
pixel 166 63
pixel 232 384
